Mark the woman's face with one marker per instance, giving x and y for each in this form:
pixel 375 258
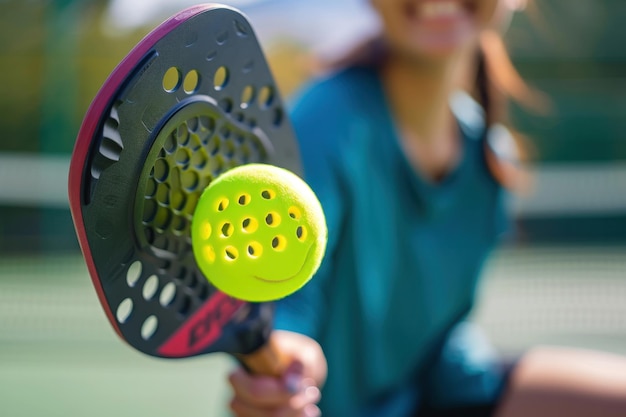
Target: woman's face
pixel 428 29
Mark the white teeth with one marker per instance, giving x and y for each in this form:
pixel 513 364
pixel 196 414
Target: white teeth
pixel 434 9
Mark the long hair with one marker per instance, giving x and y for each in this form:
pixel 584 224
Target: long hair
pixel 497 82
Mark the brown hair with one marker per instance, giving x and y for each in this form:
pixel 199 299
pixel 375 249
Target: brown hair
pixel 497 80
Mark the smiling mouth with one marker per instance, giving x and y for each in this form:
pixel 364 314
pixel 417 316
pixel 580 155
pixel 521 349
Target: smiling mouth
pixel 278 281
pixel 437 9
pixel 274 281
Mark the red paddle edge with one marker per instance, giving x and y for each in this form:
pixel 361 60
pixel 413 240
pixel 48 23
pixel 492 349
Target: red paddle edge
pixel 90 124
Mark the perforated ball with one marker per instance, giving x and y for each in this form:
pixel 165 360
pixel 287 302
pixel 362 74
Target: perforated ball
pixel 258 233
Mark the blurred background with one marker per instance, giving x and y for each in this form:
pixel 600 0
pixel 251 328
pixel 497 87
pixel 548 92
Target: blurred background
pixel 561 280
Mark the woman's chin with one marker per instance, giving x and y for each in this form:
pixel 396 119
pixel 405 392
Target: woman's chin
pixel 437 48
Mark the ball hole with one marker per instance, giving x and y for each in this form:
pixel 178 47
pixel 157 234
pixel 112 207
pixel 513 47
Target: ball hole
pixel 272 219
pixel 268 194
pixel 227 229
pixel 222 204
pixel 301 233
pixel 249 225
pixel 294 213
pixel 244 199
pixel 279 243
pixel 231 253
pixel 205 230
pixel 255 250
pixel 208 253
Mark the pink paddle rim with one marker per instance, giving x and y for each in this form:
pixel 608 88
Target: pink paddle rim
pixel 91 122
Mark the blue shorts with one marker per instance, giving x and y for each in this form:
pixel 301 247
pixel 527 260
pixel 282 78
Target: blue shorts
pixel 467 378
pixel 487 409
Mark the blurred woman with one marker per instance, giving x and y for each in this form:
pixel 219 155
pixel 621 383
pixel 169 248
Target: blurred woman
pixel 406 167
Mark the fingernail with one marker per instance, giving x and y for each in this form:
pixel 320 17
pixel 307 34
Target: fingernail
pixel 293 382
pixel 293 377
pixel 312 411
pixel 312 392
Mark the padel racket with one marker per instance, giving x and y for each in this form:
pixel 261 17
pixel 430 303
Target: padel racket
pixel 193 99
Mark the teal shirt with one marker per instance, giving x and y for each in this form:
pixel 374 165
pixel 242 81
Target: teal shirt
pixel 403 256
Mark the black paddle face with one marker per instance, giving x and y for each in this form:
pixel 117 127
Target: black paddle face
pixel 192 100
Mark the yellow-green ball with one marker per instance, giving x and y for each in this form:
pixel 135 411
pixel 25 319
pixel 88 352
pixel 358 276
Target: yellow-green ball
pixel 258 233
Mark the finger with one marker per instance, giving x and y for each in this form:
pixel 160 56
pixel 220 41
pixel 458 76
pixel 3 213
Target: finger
pixel 309 395
pixel 311 410
pixel 259 390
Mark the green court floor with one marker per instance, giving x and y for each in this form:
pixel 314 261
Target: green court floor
pixel 59 356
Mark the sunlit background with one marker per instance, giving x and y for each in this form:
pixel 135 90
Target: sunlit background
pixel 561 280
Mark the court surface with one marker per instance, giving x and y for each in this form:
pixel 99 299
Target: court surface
pixel 60 357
